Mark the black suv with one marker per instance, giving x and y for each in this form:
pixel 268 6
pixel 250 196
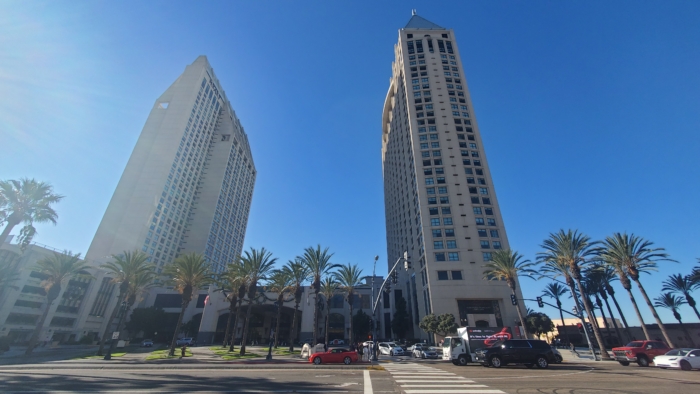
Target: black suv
pixel 530 352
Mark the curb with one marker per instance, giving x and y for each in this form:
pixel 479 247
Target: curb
pixel 261 366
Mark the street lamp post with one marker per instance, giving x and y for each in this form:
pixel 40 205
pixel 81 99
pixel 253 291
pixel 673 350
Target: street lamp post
pixel 124 307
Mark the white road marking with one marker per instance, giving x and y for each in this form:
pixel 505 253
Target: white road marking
pixel 466 391
pixel 431 380
pixel 444 385
pixel 368 383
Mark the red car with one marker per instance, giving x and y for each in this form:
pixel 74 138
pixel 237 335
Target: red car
pixel 335 355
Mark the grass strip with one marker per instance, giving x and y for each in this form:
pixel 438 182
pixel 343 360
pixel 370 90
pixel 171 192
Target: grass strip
pixel 163 354
pixel 118 354
pixel 228 356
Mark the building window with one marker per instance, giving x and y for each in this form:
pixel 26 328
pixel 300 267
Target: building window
pixel 482 190
pixel 491 222
pixel 441 179
pixel 487 201
pixel 449 232
pixel 442 275
pixel 436 153
pixel 433 201
pixel 466 162
pixel 437 162
pixel 472 190
pixel 447 221
pixel 437 245
pixel 475 200
pixel 477 211
pixel 453 256
pixel 484 244
pixel 446 210
pixel 433 136
pixel 429 181
pixel 482 232
pixel 496 245
pixel 433 211
pixel 427 171
pixel 440 171
pixel 434 144
pixel 494 233
pixel 435 222
pixel 456 275
pixel 444 200
pixel 442 190
pixel 480 221
pixel 489 211
pixel 440 256
pixel 437 233
pixel 470 180
pixel 486 256
pixel 453 245
pixel 430 190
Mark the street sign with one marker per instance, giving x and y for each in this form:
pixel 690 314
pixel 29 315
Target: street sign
pixel 115 335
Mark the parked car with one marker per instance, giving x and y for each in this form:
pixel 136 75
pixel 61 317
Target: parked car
pixel 335 355
pixel 390 348
pixel 684 358
pixel 147 343
pixel 557 356
pixel 529 352
pixel 185 341
pixel 641 352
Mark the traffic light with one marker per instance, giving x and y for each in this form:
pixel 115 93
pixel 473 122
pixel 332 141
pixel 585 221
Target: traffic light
pixel 580 327
pixel 407 265
pixel 395 277
pixel 387 287
pixel 539 302
pixel 513 300
pixel 589 327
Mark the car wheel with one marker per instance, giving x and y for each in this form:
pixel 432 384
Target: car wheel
pixel 542 362
pixel 529 365
pixel 347 361
pixel 496 362
pixel 685 365
pixel 624 363
pixel 317 360
pixel 462 360
pixel 558 358
pixel 642 361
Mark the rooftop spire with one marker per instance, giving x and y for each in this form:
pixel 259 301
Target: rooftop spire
pixel 418 22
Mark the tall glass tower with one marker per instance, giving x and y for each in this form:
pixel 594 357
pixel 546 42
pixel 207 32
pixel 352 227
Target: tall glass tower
pixel 440 200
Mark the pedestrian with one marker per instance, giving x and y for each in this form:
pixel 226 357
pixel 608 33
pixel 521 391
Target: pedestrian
pixel 573 349
pixel 365 352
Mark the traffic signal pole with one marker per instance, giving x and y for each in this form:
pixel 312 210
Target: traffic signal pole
pixel 390 276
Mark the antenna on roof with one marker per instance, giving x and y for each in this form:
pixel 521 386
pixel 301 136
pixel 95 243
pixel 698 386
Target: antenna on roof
pixel 413 12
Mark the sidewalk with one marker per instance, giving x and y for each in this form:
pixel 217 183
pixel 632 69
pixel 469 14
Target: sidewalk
pixel 584 356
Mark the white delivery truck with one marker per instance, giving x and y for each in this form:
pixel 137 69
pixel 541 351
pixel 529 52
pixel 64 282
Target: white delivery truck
pixel 460 348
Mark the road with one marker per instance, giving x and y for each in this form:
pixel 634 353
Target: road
pixel 399 376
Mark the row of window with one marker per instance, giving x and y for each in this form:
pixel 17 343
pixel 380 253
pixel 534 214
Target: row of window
pixel 442 46
pixel 449 275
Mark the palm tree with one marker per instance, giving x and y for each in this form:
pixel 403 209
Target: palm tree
pixel 9 272
pixel 26 201
pixel 506 265
pixel 556 291
pixel 229 282
pixel 124 269
pixel 319 264
pixel 591 287
pixel 670 301
pixel 684 285
pixel 328 289
pixel 299 274
pixel 572 249
pixel 187 274
pixel 257 264
pixel 59 269
pixel 635 255
pixel 607 275
pixel 600 276
pixel 281 283
pixel 348 277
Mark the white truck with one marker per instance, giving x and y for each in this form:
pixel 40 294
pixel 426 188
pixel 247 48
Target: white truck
pixel 460 348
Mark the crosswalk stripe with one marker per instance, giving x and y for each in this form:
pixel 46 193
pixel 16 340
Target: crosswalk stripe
pixel 445 385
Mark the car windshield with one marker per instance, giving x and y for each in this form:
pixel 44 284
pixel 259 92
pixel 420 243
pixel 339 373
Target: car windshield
pixel 635 344
pixel 432 349
pixel 678 352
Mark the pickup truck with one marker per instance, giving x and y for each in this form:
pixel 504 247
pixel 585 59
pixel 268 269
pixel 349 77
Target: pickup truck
pixel 641 352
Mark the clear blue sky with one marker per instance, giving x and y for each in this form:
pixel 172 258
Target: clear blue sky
pixel 589 111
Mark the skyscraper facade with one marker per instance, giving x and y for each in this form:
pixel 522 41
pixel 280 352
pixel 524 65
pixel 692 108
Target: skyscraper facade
pixel 188 184
pixel 440 200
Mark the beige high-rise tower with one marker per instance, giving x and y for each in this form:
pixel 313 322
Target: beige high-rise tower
pixel 440 200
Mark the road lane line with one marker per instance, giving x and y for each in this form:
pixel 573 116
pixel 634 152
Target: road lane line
pixel 467 391
pixel 368 383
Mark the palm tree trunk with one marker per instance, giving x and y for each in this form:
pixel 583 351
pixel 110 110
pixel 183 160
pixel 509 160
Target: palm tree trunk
pixel 605 321
pixel 279 317
pixel 8 228
pixel 109 325
pixel 228 323
pixel 639 315
pixel 687 334
pixel 293 329
pixel 328 322
pixel 235 324
pixel 692 304
pixel 37 330
pixel 244 337
pixel 351 333
pixel 563 325
pixel 520 315
pixel 669 342
pixel 617 329
pixel 622 316
pixel 177 329
pixel 315 316
pixel 596 331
